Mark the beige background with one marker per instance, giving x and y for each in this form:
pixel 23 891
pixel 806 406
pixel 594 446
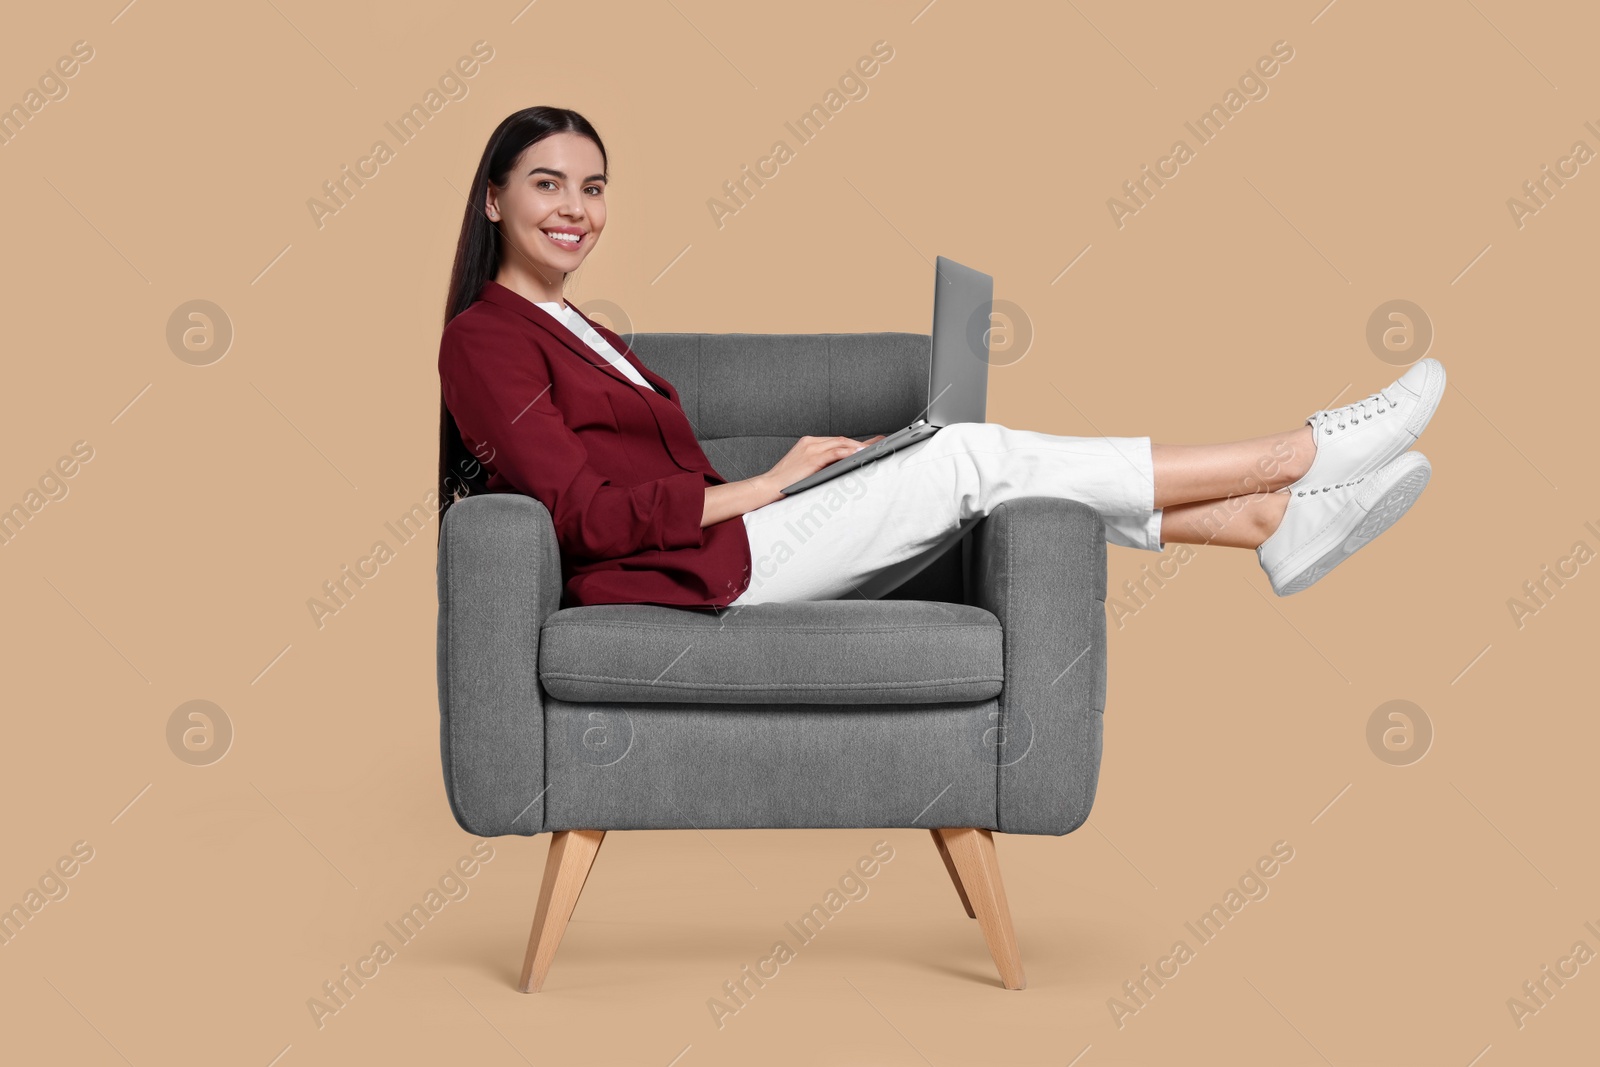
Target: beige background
pixel 219 498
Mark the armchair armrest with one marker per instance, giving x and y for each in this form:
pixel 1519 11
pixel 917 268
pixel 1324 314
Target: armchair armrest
pixel 499 576
pixel 1039 565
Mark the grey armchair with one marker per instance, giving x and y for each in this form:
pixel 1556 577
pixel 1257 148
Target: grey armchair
pixel 965 701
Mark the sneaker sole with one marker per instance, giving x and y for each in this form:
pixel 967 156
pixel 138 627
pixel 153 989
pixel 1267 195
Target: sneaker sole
pixel 1384 505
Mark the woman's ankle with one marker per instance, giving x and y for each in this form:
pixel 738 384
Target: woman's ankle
pixel 1292 456
pixel 1267 510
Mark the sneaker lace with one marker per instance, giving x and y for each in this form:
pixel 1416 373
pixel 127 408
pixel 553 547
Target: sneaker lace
pixel 1353 414
pixel 1330 488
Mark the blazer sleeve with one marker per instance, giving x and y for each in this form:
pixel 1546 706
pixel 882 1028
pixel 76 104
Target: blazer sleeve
pixel 499 394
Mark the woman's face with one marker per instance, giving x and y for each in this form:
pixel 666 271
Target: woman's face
pixel 556 186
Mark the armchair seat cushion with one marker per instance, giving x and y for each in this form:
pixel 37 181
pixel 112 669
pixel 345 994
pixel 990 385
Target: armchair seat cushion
pixel 829 651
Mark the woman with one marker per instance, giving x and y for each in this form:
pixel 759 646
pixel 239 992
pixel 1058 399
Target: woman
pixel 539 400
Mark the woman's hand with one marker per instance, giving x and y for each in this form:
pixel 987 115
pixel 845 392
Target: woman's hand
pixel 809 455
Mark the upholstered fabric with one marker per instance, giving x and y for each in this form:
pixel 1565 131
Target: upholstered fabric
pixel 835 652
pixel 732 766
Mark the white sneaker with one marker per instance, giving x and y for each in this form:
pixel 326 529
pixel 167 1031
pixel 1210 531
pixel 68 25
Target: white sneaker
pixel 1324 525
pixel 1361 437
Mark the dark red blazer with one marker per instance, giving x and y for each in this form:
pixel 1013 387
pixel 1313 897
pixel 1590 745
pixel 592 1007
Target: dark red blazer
pixel 618 466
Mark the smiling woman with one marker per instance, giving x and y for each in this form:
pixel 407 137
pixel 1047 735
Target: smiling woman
pixel 537 200
pixel 640 514
pixel 562 405
pixel 522 187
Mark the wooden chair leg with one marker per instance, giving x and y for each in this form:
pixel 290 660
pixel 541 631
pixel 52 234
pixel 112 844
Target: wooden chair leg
pixel 566 869
pixel 955 876
pixel 972 851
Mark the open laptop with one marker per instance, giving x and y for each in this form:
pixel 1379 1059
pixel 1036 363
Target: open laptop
pixel 958 368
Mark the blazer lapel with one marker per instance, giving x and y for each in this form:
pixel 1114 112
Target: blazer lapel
pixel 626 352
pixel 675 431
pixel 499 294
pixel 559 330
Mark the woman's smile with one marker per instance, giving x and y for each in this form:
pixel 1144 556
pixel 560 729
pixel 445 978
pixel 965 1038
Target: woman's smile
pixel 570 237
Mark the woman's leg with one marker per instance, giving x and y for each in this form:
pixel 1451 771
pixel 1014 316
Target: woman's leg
pixel 1186 473
pixel 1225 494
pixel 1235 522
pixel 861 529
pixel 843 535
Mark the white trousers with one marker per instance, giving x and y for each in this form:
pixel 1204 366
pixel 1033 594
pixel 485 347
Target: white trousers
pixel 871 529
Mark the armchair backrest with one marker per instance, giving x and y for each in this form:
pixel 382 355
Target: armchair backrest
pixel 750 396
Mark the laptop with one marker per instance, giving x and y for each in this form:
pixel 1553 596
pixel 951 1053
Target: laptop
pixel 958 368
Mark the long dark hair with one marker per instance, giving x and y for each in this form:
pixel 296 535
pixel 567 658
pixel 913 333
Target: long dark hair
pixel 478 252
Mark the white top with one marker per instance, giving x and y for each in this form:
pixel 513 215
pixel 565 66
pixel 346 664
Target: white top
pixel 591 337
